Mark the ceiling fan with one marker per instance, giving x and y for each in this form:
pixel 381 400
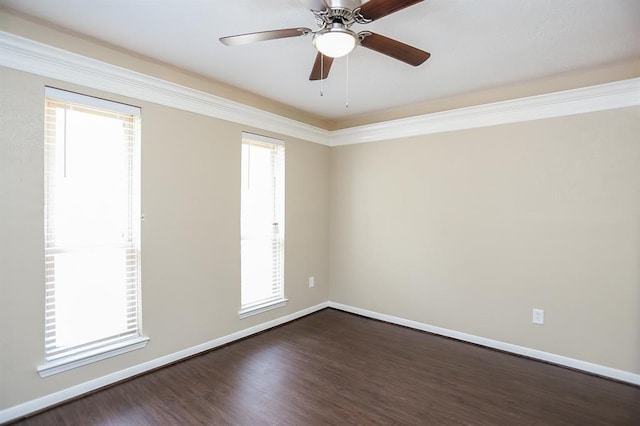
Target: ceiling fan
pixel 335 38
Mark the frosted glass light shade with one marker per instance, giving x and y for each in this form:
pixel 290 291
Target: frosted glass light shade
pixel 335 42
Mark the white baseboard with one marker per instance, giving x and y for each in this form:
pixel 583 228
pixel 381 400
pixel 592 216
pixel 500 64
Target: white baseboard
pixel 41 403
pixel 600 370
pixel 44 402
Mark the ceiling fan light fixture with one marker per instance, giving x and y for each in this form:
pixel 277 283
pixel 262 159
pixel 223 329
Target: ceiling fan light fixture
pixel 335 42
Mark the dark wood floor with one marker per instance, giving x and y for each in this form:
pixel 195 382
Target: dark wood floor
pixel 336 368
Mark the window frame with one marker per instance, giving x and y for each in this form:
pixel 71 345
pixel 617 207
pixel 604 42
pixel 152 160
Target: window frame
pixel 59 359
pixel 274 302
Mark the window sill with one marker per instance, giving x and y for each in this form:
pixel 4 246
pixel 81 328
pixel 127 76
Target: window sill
pixel 88 357
pixel 264 307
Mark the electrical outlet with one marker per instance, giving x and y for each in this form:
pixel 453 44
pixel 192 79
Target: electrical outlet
pixel 312 282
pixel 538 316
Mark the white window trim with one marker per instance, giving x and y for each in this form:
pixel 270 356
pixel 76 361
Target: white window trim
pixel 263 307
pixel 65 95
pixel 276 302
pixel 118 345
pixel 260 138
pixel 87 357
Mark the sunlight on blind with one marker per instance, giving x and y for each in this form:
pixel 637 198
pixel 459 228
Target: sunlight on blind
pixel 262 222
pixel 91 225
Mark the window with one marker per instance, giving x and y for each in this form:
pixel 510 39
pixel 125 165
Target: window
pixel 262 224
pixel 92 230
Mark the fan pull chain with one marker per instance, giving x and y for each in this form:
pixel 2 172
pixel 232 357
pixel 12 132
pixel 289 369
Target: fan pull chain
pixel 321 73
pixel 346 103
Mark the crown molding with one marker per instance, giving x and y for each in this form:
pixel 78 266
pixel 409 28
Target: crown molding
pixel 37 58
pixel 602 97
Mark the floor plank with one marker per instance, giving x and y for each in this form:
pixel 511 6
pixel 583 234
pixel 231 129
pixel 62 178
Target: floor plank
pixel 332 367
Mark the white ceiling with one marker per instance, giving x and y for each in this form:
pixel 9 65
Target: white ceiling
pixel 475 44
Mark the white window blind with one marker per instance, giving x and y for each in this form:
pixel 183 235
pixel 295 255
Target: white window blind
pixel 262 223
pixel 92 225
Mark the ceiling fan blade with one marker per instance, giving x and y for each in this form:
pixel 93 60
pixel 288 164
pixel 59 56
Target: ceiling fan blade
pixel 390 47
pixel 237 40
pixel 316 5
pixel 320 70
pixel 376 9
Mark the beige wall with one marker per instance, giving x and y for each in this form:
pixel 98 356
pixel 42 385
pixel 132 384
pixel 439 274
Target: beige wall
pixel 190 236
pixel 466 230
pixel 470 230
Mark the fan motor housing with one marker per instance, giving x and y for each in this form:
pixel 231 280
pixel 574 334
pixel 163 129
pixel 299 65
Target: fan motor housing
pixel 339 12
